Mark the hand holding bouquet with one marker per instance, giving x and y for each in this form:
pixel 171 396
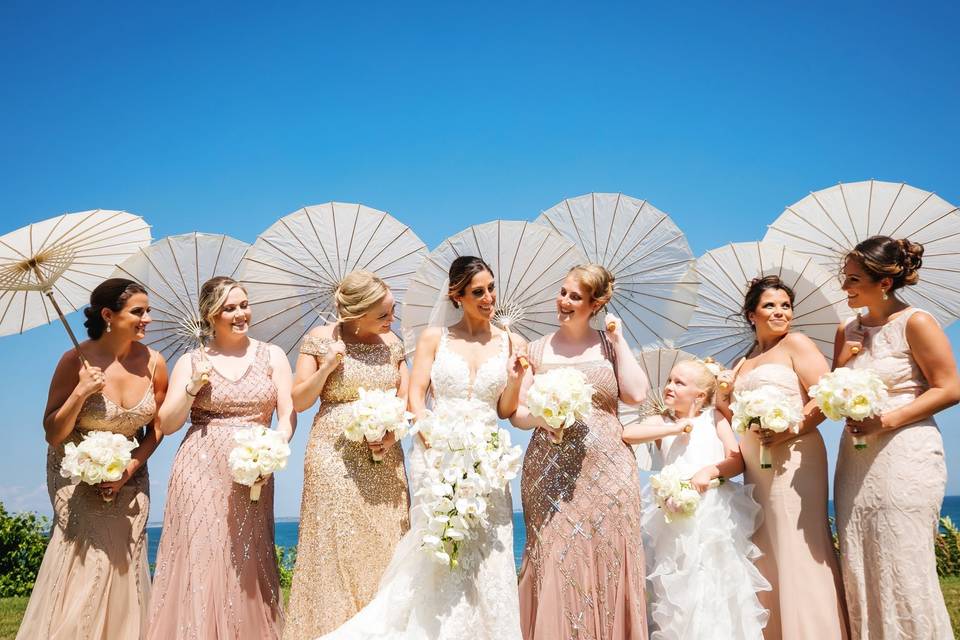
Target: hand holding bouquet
pixel 770 409
pixel 373 414
pixel 561 397
pixel 850 393
pixel 101 456
pixel 259 452
pixel 675 495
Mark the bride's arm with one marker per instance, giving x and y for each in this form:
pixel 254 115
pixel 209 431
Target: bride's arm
pixel 509 400
pixel 420 373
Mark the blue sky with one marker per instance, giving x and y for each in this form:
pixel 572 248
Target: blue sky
pixel 224 117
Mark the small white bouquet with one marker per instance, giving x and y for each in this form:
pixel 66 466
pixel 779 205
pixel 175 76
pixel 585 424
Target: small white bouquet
pixel 674 494
pixel 373 414
pixel 769 408
pixel 469 458
pixel 259 452
pixel 101 456
pixel 850 393
pixel 561 397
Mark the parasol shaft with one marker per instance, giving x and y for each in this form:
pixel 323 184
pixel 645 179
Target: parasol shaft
pixel 47 291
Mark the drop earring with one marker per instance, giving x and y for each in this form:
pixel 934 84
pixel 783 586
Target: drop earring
pixel 108 326
pixel 885 296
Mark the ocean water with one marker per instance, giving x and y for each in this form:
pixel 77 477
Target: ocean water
pixel 286 530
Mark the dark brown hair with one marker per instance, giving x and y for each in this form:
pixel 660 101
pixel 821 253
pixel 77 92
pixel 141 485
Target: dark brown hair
pixel 757 286
pixel 110 294
pixel 883 257
pixel 462 271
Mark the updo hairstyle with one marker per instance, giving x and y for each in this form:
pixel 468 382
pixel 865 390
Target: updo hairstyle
pixel 110 294
pixel 757 286
pixel 357 293
pixel 462 271
pixel 883 257
pixel 597 280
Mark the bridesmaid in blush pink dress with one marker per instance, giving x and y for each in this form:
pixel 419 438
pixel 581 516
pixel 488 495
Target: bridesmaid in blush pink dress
pixel 216 574
pixel 888 495
pixel 798 559
pixel 583 567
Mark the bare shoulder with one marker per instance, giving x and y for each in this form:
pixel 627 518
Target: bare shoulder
pixel 921 320
pixel 429 336
pixel 799 343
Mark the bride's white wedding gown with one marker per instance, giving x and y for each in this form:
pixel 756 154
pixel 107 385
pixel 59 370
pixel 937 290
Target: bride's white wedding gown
pixel 422 599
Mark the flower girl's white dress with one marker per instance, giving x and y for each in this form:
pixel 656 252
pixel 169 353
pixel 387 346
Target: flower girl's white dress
pixel 702 579
pixel 421 599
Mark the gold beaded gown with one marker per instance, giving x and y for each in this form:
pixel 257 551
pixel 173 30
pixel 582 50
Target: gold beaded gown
pixel 353 511
pixel 93 582
pixel 216 575
pixel 583 571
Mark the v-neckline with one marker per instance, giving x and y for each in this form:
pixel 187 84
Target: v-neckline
pixel 471 375
pixel 246 371
pixel 118 405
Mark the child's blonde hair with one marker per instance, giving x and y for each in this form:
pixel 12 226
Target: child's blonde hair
pixel 706 379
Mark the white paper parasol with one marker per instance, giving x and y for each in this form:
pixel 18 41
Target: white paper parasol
pixel 49 268
pixel 293 269
pixel 827 224
pixel 656 288
pixel 529 262
pixel 173 269
pixel 718 328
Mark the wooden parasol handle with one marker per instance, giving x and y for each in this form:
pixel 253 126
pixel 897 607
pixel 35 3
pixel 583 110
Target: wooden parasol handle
pixel 48 291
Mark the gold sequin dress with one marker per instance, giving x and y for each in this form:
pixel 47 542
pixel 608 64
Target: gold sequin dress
pixel 354 511
pixel 93 582
pixel 216 574
pixel 583 566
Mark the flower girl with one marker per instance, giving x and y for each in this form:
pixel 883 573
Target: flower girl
pixel 703 583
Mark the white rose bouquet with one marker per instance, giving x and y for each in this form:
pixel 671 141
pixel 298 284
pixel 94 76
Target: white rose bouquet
pixel 469 458
pixel 674 494
pixel 101 456
pixel 373 414
pixel 850 393
pixel 561 397
pixel 770 409
pixel 259 452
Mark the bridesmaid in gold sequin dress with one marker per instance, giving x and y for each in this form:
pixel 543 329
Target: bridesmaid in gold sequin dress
pixel 216 574
pixel 583 568
pixel 93 583
pixel 354 510
pixel 888 495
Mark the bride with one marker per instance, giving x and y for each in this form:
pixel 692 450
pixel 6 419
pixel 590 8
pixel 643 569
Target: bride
pixel 420 598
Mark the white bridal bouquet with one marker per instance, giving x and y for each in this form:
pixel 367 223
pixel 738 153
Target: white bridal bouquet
pixel 259 452
pixel 469 458
pixel 561 397
pixel 850 393
pixel 100 457
pixel 373 414
pixel 770 409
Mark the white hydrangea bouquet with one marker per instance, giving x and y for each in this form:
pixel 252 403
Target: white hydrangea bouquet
pixel 259 452
pixel 560 396
pixel 469 458
pixel 374 413
pixel 101 456
pixel 850 393
pixel 769 408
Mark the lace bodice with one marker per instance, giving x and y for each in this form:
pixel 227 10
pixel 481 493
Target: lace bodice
pixel 886 351
pixel 450 374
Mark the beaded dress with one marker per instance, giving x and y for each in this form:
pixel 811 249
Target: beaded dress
pixel 93 582
pixel 216 574
pixel 353 510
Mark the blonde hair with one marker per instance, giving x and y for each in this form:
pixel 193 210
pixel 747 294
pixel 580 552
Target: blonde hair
pixel 357 293
pixel 705 379
pixel 597 280
pixel 213 295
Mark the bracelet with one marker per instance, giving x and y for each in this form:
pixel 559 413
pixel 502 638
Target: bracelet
pixel 186 389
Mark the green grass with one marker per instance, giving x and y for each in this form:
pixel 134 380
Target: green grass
pixel 11 612
pixel 11 609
